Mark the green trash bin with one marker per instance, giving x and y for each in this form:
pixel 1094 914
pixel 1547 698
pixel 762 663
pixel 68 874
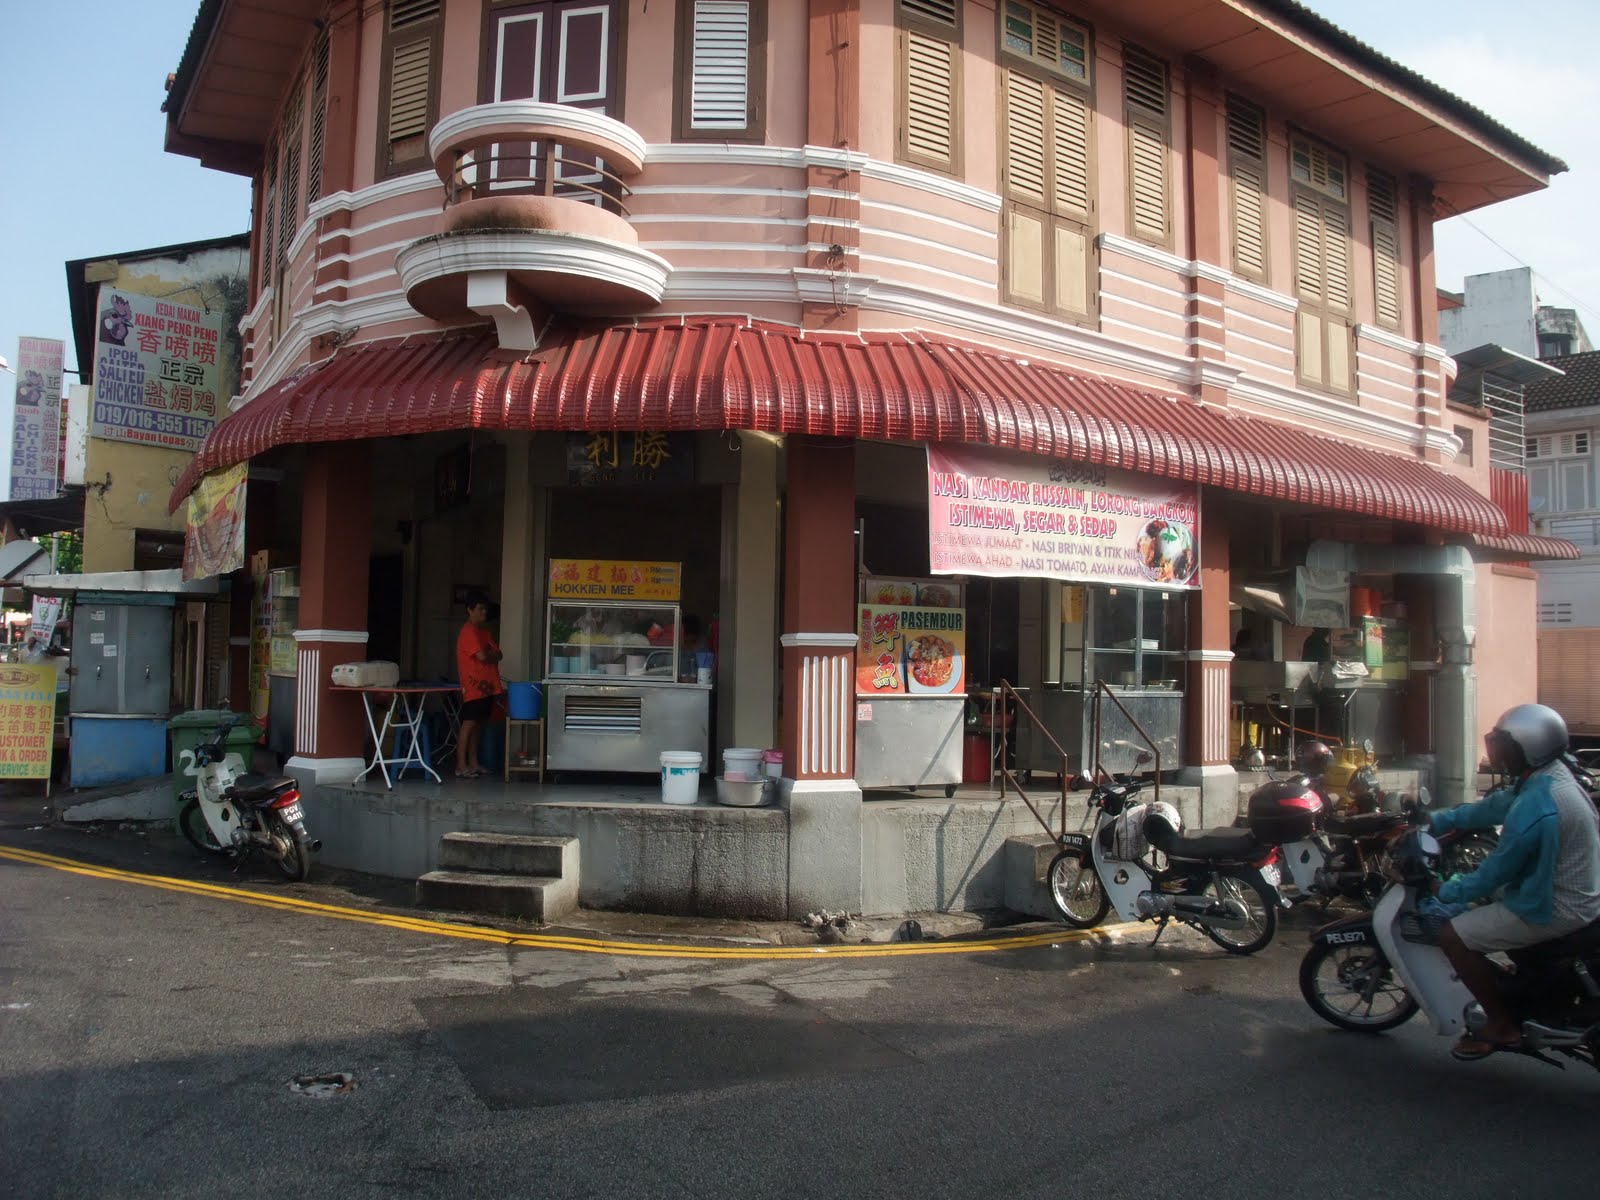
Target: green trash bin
pixel 187 730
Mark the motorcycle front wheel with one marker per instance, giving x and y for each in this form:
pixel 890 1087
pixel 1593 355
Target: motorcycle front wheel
pixel 1261 915
pixel 193 824
pixel 1076 892
pixel 1354 988
pixel 289 849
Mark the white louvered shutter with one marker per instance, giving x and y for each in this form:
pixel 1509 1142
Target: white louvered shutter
pixel 719 53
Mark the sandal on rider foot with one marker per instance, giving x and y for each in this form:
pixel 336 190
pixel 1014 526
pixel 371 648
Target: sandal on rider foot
pixel 1475 1049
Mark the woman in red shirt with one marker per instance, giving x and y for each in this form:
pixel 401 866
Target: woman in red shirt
pixel 476 659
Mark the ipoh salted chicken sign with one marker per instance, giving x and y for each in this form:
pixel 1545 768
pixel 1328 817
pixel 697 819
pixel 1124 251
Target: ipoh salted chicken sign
pixel 1012 515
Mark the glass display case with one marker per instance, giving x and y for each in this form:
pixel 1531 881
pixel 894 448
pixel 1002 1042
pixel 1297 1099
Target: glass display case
pixel 613 638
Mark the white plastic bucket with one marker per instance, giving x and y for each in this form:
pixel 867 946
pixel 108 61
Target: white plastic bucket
pixel 680 776
pixel 636 664
pixel 741 764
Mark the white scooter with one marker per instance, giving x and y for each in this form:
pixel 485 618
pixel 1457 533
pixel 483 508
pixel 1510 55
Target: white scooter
pixel 1220 881
pixel 1374 971
pixel 233 812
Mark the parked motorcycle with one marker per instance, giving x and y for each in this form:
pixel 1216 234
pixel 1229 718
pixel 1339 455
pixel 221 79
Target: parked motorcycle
pixel 1220 881
pixel 1374 971
pixel 234 812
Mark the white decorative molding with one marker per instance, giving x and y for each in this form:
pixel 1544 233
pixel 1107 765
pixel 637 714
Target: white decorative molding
pixel 591 129
pixel 389 189
pixel 1210 656
pixel 826 713
pixel 346 637
pixel 489 295
pixel 1216 708
pixel 1393 340
pixel 257 314
pixel 1306 406
pixel 1194 269
pixel 812 286
pixel 307 698
pixel 541 251
pixel 812 641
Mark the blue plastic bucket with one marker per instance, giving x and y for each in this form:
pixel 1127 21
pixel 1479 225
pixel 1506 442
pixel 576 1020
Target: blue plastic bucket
pixel 524 701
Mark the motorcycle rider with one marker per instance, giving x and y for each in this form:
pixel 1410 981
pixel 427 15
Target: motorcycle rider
pixel 1545 872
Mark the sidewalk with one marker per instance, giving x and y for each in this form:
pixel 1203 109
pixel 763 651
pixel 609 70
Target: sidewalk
pixel 156 848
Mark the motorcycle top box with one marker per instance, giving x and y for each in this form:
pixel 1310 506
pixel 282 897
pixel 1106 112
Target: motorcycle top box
pixel 1283 811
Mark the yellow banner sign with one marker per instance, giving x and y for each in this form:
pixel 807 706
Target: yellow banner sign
pixel 213 534
pixel 27 720
pixel 605 579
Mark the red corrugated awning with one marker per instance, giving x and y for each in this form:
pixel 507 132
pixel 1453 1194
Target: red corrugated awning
pixel 1520 547
pixel 731 373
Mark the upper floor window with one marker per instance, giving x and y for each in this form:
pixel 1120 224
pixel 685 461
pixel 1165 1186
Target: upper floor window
pixel 1147 105
pixel 1383 209
pixel 318 117
pixel 1321 264
pixel 1560 472
pixel 1247 177
pixel 722 68
pixel 1047 255
pixel 928 54
pixel 553 52
pixel 410 86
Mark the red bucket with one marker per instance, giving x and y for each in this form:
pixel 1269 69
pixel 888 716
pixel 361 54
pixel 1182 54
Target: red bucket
pixel 975 758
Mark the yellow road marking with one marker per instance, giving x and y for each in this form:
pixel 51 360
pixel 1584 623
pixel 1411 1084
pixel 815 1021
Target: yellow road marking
pixel 540 941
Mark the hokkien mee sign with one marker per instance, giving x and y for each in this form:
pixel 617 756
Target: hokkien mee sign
pixel 155 371
pixel 1011 515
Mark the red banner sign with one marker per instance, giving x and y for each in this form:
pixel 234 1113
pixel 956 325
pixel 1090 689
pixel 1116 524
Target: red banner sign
pixel 1012 515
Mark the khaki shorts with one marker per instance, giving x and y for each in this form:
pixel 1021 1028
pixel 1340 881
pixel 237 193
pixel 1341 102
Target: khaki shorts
pixel 1493 927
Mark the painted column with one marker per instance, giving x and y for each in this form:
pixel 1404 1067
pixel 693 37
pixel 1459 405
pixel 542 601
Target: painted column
pixel 818 643
pixel 1207 310
pixel 749 601
pixel 521 622
pixel 833 194
pixel 1417 593
pixel 335 548
pixel 260 507
pixel 1208 688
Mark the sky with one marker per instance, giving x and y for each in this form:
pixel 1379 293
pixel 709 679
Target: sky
pixel 81 134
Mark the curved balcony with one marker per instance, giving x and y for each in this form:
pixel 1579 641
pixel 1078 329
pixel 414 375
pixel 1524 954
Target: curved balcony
pixel 535 220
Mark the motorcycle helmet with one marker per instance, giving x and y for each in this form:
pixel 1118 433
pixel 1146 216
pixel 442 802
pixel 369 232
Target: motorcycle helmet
pixel 1313 758
pixel 1526 738
pixel 1162 825
pixel 1364 792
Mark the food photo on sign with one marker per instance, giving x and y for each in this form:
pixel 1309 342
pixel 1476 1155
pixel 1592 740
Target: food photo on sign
pixel 907 650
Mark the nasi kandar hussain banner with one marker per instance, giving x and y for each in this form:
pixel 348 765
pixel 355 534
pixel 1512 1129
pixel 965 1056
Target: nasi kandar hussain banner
pixel 156 375
pixel 213 526
pixel 1012 515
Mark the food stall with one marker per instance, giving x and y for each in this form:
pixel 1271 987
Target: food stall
pixel 1132 638
pixel 620 687
pixel 910 683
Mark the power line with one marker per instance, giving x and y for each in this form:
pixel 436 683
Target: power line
pixel 1521 262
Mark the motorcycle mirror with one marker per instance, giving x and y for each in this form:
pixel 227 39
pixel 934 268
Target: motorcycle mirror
pixel 1079 782
pixel 1144 756
pixel 1366 747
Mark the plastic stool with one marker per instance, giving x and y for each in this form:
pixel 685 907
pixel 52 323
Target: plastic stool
pixel 402 743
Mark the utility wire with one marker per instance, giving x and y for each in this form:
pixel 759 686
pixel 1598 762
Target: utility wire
pixel 1520 261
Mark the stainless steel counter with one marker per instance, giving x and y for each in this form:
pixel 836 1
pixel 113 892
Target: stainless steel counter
pixel 909 741
pixel 1068 715
pixel 625 726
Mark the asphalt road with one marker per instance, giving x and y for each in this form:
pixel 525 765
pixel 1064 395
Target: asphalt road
pixel 149 1039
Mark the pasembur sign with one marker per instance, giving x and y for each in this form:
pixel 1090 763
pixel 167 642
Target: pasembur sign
pixel 1007 515
pixel 156 375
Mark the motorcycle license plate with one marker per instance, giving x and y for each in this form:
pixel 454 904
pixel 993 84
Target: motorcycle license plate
pixel 1270 874
pixel 291 812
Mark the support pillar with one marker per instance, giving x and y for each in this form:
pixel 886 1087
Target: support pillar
pixel 521 552
pixel 818 642
pixel 259 517
pixel 1208 692
pixel 1418 593
pixel 335 549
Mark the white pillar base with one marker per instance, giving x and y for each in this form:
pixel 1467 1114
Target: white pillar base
pixel 824 845
pixel 325 770
pixel 1219 793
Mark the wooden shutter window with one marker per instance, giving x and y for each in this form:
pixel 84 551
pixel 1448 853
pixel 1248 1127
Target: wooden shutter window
pixel 1045 38
pixel 1384 209
pixel 1247 171
pixel 719 67
pixel 938 12
pixel 319 117
pixel 1145 98
pixel 289 173
pixel 410 82
pixel 266 245
pixel 1322 285
pixel 1025 140
pixel 1070 131
pixel 928 125
pixel 1045 156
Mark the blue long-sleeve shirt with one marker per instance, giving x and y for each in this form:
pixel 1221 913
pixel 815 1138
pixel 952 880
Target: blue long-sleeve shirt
pixel 1524 863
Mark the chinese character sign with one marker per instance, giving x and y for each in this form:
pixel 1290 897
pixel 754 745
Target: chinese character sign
pixel 27 720
pixel 604 579
pixel 36 438
pixel 1011 515
pixel 628 457
pixel 155 371
pixel 910 651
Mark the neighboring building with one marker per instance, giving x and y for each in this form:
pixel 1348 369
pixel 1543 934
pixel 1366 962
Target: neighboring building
pixel 1563 423
pixel 506 257
pixel 1502 308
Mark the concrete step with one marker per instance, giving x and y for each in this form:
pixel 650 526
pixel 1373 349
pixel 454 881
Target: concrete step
pixel 510 854
pixel 531 897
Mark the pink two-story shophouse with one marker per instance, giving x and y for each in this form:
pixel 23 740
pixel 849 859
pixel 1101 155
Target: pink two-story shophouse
pixel 1108 329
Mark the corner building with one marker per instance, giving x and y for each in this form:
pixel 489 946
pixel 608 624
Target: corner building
pixel 727 284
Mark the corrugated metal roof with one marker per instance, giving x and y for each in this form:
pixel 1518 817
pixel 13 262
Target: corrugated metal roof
pixel 1520 548
pixel 731 373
